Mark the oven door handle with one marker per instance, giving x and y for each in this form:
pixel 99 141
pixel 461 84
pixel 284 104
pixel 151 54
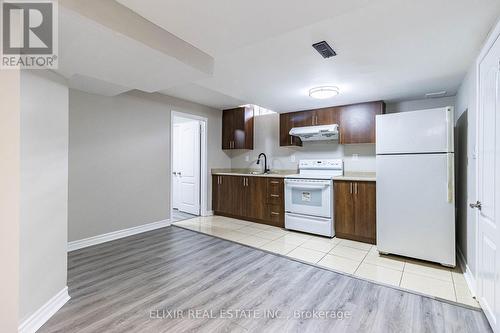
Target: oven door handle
pixel 307 187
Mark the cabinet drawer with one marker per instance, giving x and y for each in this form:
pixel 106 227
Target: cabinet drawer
pixel 275 191
pixel 276 215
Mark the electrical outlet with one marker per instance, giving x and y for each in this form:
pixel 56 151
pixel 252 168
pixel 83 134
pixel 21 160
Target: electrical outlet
pixel 355 157
pixel 247 158
pixel 292 158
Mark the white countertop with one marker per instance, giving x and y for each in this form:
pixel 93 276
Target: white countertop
pixel 358 176
pixel 271 175
pixel 348 175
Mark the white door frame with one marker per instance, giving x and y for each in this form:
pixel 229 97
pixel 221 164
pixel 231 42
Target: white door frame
pixel 203 159
pixel 493 36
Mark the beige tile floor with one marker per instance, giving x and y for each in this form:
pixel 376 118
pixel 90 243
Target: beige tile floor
pixel 359 259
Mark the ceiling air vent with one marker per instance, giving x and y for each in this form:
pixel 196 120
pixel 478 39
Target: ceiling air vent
pixel 324 49
pixel 436 94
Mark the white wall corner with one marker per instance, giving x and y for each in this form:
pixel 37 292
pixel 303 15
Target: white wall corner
pixel 99 239
pixel 469 277
pixel 208 213
pixel 43 314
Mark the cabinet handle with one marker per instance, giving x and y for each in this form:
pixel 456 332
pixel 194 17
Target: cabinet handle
pixel 356 188
pixel 291 139
pixel 350 188
pixel 275 195
pixel 274 213
pixel 274 182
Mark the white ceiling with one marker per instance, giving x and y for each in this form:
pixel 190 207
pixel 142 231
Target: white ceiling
pixel 387 49
pixel 96 58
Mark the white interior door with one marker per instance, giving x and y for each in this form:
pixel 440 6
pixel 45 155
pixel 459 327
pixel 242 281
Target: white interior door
pixel 189 167
pixel 488 193
pixel 176 166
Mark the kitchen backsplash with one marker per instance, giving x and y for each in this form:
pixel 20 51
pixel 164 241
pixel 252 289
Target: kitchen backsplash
pixel 266 140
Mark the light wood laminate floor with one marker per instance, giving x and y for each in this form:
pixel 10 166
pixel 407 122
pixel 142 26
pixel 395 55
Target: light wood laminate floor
pixel 115 286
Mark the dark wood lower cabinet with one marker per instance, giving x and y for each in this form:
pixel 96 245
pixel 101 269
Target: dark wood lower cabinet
pixel 355 210
pixel 257 199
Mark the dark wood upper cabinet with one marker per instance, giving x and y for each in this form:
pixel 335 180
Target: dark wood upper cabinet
pixel 357 122
pixel 326 116
pixel 287 122
pixel 237 128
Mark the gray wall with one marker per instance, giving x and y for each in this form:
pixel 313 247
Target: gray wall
pixel 44 189
pixel 9 198
pixel 119 161
pixel 356 157
pixel 420 104
pixel 466 217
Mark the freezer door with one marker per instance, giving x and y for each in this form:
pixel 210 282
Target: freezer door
pixel 415 206
pixel 425 131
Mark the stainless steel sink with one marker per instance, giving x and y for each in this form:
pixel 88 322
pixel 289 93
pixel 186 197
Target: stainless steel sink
pixel 260 173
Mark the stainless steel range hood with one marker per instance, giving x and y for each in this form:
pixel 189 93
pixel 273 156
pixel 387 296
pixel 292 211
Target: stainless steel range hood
pixel 316 133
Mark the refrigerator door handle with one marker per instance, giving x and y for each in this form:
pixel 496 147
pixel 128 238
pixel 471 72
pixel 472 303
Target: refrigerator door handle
pixel 450 175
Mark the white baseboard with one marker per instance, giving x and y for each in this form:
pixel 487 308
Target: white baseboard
pixel 99 239
pixel 469 277
pixel 42 315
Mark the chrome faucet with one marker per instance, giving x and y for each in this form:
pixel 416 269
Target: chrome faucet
pixel 266 170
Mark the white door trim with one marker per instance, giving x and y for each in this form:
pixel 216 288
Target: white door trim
pixel 203 160
pixel 493 36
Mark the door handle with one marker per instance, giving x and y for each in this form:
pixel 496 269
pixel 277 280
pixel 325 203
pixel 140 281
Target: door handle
pixel 477 205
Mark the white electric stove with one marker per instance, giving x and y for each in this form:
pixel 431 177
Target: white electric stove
pixel 309 197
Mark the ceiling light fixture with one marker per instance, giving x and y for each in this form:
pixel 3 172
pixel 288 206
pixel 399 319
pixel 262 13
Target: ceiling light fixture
pixel 324 92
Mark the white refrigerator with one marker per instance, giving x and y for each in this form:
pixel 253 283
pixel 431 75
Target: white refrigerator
pixel 415 185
